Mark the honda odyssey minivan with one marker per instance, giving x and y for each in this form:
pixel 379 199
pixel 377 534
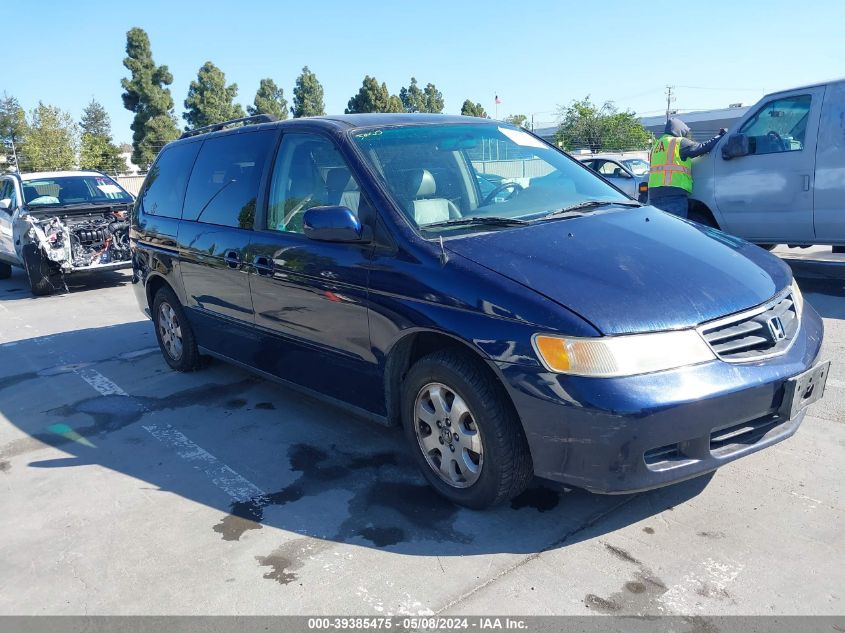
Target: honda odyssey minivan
pixel 549 327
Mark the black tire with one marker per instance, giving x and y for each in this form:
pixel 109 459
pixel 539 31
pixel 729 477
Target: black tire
pixel 506 469
pixel 768 247
pixel 44 278
pixel 702 218
pixel 189 359
pixel 5 270
pixel 838 249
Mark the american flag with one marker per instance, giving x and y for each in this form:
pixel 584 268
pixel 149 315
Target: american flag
pixel 498 101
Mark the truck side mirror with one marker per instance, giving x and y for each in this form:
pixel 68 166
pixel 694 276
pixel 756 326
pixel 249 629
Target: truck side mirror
pixel 736 146
pixel 6 205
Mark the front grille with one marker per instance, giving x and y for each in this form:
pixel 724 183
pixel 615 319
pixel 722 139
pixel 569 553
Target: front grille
pixel 764 331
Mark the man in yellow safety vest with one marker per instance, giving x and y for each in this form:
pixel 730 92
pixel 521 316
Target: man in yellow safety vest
pixel 670 174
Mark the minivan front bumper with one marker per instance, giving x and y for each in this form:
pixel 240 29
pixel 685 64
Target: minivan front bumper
pixel 621 435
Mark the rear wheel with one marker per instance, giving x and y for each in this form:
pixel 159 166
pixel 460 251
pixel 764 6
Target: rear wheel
pixel 5 270
pixel 43 276
pixel 463 432
pixel 768 247
pixel 174 333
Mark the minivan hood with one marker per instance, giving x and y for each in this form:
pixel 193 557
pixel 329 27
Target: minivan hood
pixel 631 270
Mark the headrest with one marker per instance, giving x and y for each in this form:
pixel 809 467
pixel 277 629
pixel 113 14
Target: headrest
pixel 339 179
pixel 419 183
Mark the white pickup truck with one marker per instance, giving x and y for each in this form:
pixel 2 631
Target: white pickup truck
pixel 779 176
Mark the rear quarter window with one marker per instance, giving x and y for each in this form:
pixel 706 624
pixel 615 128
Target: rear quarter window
pixel 164 188
pixel 224 184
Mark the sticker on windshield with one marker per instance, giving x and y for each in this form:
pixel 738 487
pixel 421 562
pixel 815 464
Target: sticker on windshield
pixel 109 188
pixel 521 138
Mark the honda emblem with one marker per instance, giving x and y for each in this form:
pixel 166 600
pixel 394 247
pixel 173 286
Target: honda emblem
pixel 776 329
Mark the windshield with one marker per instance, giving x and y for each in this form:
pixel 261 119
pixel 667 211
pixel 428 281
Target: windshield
pixel 636 166
pixel 66 190
pixel 438 173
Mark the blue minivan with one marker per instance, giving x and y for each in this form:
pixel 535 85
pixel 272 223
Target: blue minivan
pixel 550 326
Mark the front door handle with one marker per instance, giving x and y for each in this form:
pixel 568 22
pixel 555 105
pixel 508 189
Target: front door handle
pixel 232 259
pixel 806 182
pixel 263 265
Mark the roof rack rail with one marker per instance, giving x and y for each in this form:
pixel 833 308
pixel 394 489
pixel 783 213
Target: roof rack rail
pixel 247 120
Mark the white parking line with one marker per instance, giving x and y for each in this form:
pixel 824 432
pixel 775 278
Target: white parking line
pixel 233 484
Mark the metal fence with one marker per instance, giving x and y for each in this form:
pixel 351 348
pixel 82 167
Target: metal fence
pixel 521 168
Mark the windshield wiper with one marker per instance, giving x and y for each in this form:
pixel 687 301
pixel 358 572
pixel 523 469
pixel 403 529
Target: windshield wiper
pixel 489 220
pixel 577 210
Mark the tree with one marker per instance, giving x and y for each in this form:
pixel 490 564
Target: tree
pixel 473 109
pixel 210 100
pixel 12 127
pixel 308 95
pixel 269 99
pixel 415 99
pixel 50 142
pixel 584 125
pixel 146 94
pixel 97 150
pixel 374 97
pixel 433 101
pixel 517 119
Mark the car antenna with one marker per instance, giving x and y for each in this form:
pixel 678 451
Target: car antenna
pixel 443 257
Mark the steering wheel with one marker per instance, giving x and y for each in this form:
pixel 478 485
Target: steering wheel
pixel 776 137
pixel 505 185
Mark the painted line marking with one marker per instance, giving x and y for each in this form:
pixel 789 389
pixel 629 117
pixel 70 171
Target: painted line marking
pixel 225 478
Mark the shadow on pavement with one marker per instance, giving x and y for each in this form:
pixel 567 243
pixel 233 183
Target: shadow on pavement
pixel 17 286
pixel 316 470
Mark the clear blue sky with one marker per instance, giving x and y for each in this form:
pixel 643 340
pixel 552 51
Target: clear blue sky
pixel 536 54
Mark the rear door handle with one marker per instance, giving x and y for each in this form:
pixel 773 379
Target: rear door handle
pixel 232 259
pixel 263 265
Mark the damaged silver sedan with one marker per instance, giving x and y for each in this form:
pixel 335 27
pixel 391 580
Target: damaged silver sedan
pixel 56 223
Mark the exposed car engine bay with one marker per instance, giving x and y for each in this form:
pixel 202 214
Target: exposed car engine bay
pixel 82 240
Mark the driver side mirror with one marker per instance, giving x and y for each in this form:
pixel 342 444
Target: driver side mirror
pixel 736 146
pixel 6 205
pixel 334 224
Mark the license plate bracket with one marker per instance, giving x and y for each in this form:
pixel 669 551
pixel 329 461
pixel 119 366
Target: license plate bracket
pixel 804 389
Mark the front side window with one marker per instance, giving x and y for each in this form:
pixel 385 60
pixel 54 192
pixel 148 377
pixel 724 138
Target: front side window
pixel 609 169
pixel 74 190
pixel 439 173
pixel 779 126
pixel 309 172
pixel 224 183
pixel 636 166
pixel 164 187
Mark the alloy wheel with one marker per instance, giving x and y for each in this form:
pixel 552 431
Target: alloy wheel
pixel 170 331
pixel 448 435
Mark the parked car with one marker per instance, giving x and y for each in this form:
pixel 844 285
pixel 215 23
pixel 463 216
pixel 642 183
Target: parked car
pixel 629 174
pixel 565 332
pixel 57 223
pixel 780 177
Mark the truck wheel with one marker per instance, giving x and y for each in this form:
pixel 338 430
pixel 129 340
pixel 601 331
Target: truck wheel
pixel 464 434
pixel 5 270
pixel 174 333
pixel 768 247
pixel 43 276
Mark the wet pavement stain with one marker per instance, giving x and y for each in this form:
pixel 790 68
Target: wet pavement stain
pixel 540 498
pixel 648 530
pixel 601 604
pixel 637 595
pixel 621 554
pixel 383 536
pixel 711 535
pixel 5 466
pixel 265 406
pixel 289 558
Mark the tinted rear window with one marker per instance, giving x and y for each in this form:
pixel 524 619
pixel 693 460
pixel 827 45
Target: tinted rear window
pixel 224 184
pixel 164 188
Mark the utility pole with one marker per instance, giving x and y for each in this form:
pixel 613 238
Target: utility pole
pixel 669 99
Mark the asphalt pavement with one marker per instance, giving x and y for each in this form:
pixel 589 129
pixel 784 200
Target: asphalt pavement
pixel 127 488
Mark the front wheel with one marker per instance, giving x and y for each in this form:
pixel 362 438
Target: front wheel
pixel 43 276
pixel 463 432
pixel 5 270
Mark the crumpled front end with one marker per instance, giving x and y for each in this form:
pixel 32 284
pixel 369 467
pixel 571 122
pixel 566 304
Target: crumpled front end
pixel 81 241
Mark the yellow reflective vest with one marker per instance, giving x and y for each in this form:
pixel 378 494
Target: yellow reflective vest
pixel 667 169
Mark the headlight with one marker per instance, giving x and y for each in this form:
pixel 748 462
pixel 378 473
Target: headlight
pixel 628 355
pixel 797 298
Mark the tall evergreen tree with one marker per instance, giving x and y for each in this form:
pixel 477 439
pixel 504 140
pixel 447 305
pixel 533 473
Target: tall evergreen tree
pixel 308 95
pixel 146 94
pixel 50 142
pixel 97 149
pixel 415 99
pixel 12 127
pixel 517 119
pixel 269 99
pixel 432 99
pixel 473 109
pixel 210 100
pixel 374 97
